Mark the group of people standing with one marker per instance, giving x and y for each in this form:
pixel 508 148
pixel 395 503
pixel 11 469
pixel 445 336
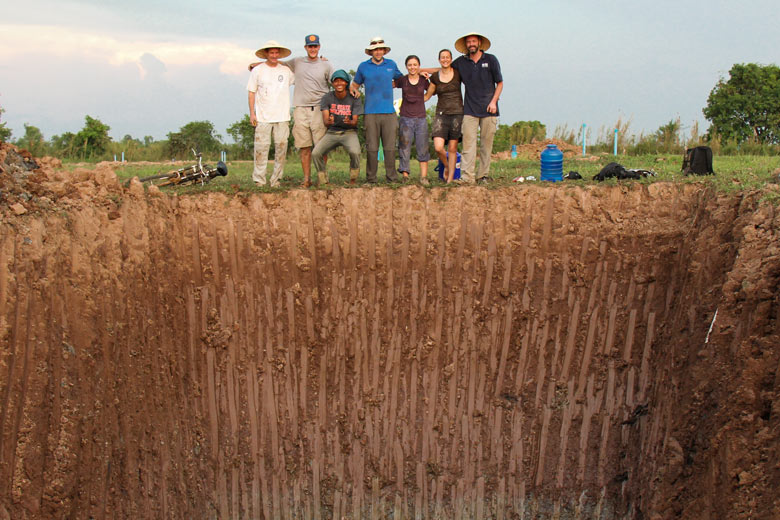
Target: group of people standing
pixel 324 119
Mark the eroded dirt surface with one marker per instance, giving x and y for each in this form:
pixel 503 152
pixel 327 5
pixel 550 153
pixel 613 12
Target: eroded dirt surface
pixel 534 150
pixel 529 352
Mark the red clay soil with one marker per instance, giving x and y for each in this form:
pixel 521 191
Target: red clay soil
pixel 534 149
pixel 525 352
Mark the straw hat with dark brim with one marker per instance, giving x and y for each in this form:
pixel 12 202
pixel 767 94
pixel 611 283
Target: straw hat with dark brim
pixel 377 42
pixel 272 44
pixel 460 43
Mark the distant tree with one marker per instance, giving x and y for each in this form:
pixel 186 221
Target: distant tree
pixel 130 146
pixel 668 136
pixel 520 132
pixel 93 140
pixel 243 133
pixel 747 105
pixel 148 139
pixel 5 132
pixel 199 135
pixel 32 140
pixel 63 145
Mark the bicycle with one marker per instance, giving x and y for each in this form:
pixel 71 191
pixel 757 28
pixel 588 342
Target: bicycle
pixel 200 172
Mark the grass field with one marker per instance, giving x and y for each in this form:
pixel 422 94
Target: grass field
pixel 733 173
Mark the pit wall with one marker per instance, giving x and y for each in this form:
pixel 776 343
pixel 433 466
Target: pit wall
pixel 469 353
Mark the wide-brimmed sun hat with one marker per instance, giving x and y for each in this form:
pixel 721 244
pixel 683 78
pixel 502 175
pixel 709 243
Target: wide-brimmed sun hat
pixel 272 44
pixel 460 43
pixel 377 42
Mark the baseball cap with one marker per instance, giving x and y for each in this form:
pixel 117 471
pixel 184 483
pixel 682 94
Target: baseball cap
pixel 312 39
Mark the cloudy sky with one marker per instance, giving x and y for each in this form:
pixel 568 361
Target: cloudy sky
pixel 148 67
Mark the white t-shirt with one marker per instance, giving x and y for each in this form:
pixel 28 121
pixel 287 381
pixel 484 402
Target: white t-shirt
pixel 271 86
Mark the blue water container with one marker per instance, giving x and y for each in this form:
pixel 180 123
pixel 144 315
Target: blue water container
pixel 441 168
pixel 552 164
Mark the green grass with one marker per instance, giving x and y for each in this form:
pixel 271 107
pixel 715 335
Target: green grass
pixel 733 173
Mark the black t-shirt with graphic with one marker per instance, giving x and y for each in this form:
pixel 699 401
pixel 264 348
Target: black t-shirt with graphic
pixel 341 109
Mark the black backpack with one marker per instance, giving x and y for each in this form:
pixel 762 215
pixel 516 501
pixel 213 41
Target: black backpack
pixel 609 171
pixel 698 161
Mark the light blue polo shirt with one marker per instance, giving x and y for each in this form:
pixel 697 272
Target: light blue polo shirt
pixel 378 80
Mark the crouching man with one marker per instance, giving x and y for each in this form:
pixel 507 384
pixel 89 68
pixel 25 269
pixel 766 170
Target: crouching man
pixel 340 113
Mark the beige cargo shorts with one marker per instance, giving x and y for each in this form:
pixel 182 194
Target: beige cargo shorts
pixel 308 127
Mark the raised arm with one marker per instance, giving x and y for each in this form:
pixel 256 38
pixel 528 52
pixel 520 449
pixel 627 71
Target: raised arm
pixel 287 64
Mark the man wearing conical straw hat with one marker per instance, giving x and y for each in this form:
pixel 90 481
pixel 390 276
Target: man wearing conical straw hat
pixel 480 72
pixel 269 110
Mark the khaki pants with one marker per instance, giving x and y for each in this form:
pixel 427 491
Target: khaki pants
pixel 487 127
pixel 384 126
pixel 263 131
pixel 332 140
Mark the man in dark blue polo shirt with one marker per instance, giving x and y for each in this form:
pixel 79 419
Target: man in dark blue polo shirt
pixel 380 119
pixel 481 74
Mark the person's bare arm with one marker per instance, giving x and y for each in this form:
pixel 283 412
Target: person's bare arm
pixel 354 89
pixel 252 115
pixel 430 92
pixel 285 63
pixel 492 107
pixel 352 121
pixel 327 118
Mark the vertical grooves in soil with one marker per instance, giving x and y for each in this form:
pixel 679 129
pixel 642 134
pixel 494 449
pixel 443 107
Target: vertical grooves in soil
pixel 362 353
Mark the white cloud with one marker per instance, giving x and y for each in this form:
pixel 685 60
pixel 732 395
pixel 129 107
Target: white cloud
pixel 27 40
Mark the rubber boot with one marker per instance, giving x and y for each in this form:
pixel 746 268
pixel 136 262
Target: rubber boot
pixel 353 176
pixel 322 177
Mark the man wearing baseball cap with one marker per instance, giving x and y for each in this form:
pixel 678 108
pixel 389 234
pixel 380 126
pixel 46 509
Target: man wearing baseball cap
pixel 269 110
pixel 378 73
pixel 312 76
pixel 480 72
pixel 340 113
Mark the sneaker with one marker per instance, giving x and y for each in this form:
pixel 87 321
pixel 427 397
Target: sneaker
pixel 484 180
pixel 424 181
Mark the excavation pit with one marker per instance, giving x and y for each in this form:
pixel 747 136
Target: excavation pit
pixel 535 352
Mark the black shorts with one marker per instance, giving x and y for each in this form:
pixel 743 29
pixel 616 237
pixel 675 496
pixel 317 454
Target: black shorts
pixel 447 126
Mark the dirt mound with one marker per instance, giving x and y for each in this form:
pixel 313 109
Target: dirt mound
pixel 534 149
pixel 30 185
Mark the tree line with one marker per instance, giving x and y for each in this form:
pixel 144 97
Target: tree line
pixel 743 111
